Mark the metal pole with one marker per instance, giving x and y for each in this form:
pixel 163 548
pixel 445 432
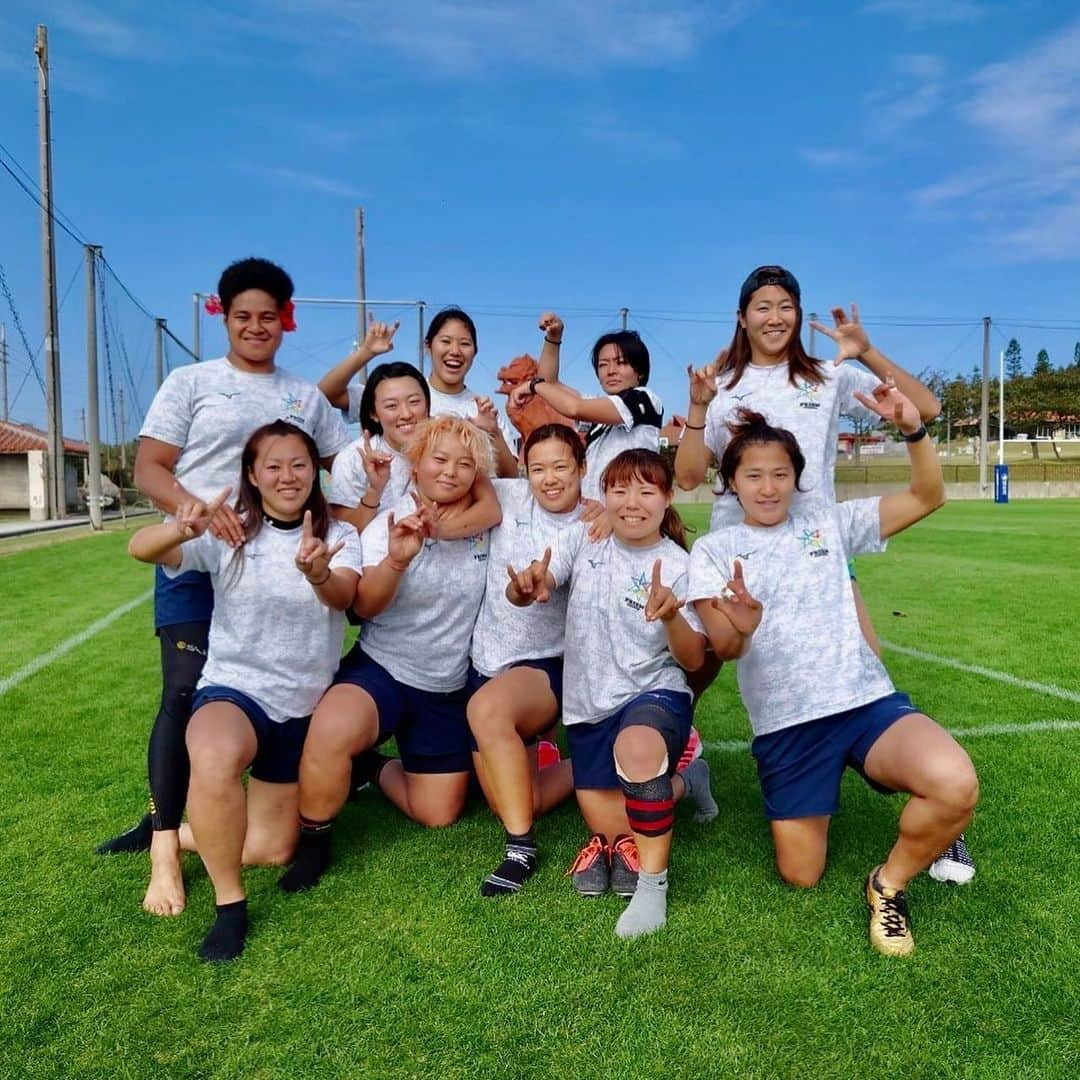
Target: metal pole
pixel 361 288
pixel 196 327
pixel 55 452
pixel 420 335
pixel 813 332
pixel 159 352
pixel 623 315
pixel 984 419
pixel 948 436
pixel 93 479
pixel 1001 408
pixel 3 368
pixel 123 443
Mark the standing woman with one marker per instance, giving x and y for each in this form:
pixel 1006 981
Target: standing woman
pixel 517 654
pixel 189 449
pixel 627 705
pixel 275 639
pixel 406 675
pixel 451 344
pixel 626 416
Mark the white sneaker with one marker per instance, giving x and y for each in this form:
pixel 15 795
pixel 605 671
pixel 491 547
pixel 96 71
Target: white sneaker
pixel 955 864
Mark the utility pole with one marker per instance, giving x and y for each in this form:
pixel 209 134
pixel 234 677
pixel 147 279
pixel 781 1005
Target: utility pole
pixel 3 368
pixel 196 327
pixel 813 319
pixel 159 352
pixel 82 423
pixel 623 315
pixel 361 287
pixel 93 481
pixel 420 305
pixel 984 419
pixel 55 446
pixel 123 443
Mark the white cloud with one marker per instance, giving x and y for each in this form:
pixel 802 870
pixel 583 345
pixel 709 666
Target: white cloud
pixel 919 14
pixel 324 185
pixel 101 32
pixel 913 93
pixel 829 157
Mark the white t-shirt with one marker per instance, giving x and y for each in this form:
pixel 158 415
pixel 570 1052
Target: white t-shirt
pixel 209 410
pixel 810 411
pixel 349 482
pixel 642 414
pixel 505 634
pixel 423 637
pixel 271 637
pixel 808 658
pixel 612 654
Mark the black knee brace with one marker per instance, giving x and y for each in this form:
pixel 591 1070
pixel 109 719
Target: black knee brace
pixel 650 806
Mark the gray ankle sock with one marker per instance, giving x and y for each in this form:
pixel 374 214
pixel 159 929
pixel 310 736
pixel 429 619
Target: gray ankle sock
pixel 698 789
pixel 647 910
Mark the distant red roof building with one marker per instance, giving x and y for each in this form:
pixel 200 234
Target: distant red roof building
pixel 19 438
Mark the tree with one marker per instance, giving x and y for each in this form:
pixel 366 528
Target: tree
pixel 1076 355
pixel 1014 362
pixel 1042 364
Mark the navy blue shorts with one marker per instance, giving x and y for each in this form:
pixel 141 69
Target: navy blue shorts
pixel 280 744
pixel 188 597
pixel 592 746
pixel 431 730
pixel 800 767
pixel 551 666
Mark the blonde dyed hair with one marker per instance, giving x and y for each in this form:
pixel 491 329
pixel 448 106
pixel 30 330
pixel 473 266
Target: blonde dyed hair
pixel 475 441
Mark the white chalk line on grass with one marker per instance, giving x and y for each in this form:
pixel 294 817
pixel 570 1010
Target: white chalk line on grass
pixel 735 746
pixel 987 673
pixel 65 647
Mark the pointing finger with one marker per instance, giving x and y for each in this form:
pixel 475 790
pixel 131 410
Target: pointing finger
pixel 656 583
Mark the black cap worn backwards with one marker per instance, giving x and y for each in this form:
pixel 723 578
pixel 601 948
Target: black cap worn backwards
pixel 767 275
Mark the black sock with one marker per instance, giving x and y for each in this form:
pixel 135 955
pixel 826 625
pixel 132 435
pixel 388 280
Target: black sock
pixel 366 767
pixel 226 938
pixel 137 838
pixel 312 857
pixel 516 868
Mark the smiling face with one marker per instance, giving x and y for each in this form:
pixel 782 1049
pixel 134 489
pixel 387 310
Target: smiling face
pixel 446 471
pixel 636 507
pixel 764 482
pixel 399 406
pixel 614 370
pixel 283 473
pixel 452 352
pixel 253 324
pixel 554 475
pixel 769 321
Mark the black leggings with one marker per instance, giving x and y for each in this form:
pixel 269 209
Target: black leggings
pixel 183 653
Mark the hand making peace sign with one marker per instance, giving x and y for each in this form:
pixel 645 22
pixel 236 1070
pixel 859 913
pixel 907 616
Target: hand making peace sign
pixel 742 610
pixel 313 555
pixel 194 517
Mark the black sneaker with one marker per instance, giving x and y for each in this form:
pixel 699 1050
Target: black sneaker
pixel 625 865
pixel 954 864
pixel 591 871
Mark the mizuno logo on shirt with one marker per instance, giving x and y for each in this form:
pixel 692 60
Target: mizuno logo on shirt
pixel 741 397
pixel 235 393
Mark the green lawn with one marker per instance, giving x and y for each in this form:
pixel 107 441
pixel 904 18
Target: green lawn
pixel 395 966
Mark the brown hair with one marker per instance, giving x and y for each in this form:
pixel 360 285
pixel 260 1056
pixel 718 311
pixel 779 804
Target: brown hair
pixel 474 440
pixel 563 433
pixel 650 468
pixel 799 361
pixel 752 429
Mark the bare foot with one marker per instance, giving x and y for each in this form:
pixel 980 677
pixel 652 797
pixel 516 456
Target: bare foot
pixel 165 893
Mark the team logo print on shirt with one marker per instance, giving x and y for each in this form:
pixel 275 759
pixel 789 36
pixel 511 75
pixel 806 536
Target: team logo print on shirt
pixel 478 546
pixel 294 409
pixel 808 395
pixel 813 543
pixel 638 594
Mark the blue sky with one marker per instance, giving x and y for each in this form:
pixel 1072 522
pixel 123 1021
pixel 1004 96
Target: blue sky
pixel 919 156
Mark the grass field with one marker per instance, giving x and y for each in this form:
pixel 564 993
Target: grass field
pixel 395 966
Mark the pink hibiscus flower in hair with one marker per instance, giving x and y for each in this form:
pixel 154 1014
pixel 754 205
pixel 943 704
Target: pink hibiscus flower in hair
pixel 213 305
pixel 287 315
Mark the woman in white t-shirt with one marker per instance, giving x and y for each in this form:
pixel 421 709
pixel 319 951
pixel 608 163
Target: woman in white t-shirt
pixel 626 416
pixel 451 345
pixel 406 676
pixel 517 655
pixel 375 471
pixel 275 637
pixel 774 593
pixel 627 705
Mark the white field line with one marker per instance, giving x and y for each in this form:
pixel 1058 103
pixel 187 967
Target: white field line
pixel 65 647
pixel 734 746
pixel 987 673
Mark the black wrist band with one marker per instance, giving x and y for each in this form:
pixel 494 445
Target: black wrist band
pixel 533 382
pixel 368 506
pixel 550 342
pixel 915 436
pixel 695 427
pixel 324 580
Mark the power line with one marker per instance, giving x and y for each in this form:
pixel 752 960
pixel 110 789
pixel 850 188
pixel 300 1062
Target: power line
pixel 31 355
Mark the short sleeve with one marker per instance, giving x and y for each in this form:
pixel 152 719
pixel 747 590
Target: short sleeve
pixel 681 588
pixel 328 429
pixel 564 551
pixel 638 406
pixel 169 417
pixel 348 481
pixel 375 542
pixel 350 557
pixel 203 553
pixel 852 379
pixel 708 573
pixel 351 412
pixel 859 522
pixel 716 432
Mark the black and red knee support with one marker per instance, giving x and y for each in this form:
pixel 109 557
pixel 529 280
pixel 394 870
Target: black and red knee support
pixel 650 806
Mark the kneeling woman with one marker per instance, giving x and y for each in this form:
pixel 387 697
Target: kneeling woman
pixel 406 675
pixel 626 703
pixel 517 655
pixel 774 592
pixel 275 637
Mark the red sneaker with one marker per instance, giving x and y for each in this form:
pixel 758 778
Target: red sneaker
pixel 547 754
pixel 692 751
